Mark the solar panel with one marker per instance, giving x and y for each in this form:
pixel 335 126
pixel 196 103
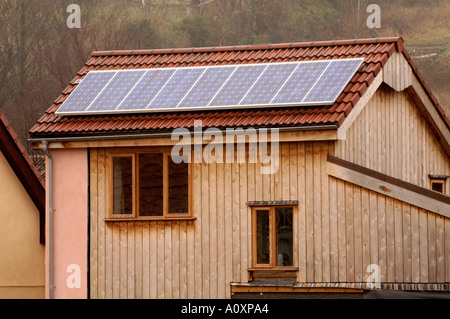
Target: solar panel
pixel 119 86
pixel 176 88
pixel 268 84
pixel 300 83
pixel 330 84
pixel 206 87
pixel 214 87
pixel 86 92
pixel 237 85
pixel 146 89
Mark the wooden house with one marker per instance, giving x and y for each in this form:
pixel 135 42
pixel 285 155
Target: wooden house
pixel 22 210
pixel 360 199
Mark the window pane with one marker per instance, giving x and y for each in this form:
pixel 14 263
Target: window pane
pixel 438 187
pixel 284 236
pixel 122 185
pixel 151 184
pixel 178 188
pixel 262 237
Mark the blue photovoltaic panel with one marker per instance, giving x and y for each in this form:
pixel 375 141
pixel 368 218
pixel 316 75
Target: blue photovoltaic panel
pixel 176 88
pixel 333 81
pixel 300 82
pixel 206 87
pixel 116 90
pixel 83 95
pixel 268 84
pixel 146 89
pixel 237 85
pixel 191 88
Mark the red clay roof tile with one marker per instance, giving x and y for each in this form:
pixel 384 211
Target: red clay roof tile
pixel 375 51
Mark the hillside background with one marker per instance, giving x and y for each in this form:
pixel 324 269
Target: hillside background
pixel 39 54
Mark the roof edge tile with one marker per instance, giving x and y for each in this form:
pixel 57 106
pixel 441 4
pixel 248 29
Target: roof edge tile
pixel 267 46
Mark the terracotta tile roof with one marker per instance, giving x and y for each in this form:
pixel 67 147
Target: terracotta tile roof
pixel 23 167
pixel 375 51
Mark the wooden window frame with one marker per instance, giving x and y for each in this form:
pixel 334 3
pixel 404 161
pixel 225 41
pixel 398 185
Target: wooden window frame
pixel 134 153
pixel 111 185
pixel 272 266
pixel 438 181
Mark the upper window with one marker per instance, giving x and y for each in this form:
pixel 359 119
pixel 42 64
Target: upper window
pixel 148 185
pixel 437 183
pixel 273 237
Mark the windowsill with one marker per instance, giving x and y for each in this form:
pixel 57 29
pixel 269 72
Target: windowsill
pixel 149 219
pixel 274 269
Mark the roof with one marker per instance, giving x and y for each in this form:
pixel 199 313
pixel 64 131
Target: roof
pixel 376 53
pixel 24 169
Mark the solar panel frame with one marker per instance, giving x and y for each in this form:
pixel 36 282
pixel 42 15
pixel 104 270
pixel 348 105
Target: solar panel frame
pixel 212 106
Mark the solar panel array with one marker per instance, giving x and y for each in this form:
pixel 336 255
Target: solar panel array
pixel 212 87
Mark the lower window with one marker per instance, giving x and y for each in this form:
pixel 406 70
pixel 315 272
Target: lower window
pixel 273 237
pixel 148 185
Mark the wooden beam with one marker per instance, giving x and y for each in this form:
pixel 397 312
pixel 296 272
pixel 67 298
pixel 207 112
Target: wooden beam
pixel 389 186
pixel 341 132
pixel 430 114
pixel 284 136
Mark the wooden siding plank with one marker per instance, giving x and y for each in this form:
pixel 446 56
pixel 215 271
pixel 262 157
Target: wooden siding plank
pixel 131 260
pixel 349 232
pixel 440 249
pixel 432 273
pixel 407 250
pixel 415 243
pixel 357 232
pixel 146 255
pixel 390 239
pixel 447 249
pixel 373 215
pixel 334 249
pixel 302 193
pixel 160 260
pixel 325 210
pixel 153 260
pixel 183 265
pixel 245 228
pixel 317 211
pixel 398 225
pixel 175 258
pixel 342 249
pixel 213 228
pixel 221 242
pixel 423 251
pixel 310 256
pixel 382 245
pixel 236 222
pixel 228 228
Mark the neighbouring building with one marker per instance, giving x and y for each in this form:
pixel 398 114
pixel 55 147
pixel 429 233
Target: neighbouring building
pixel 22 211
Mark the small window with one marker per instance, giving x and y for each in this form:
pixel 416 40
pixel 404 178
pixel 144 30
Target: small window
pixel 437 183
pixel 437 186
pixel 273 237
pixel 148 185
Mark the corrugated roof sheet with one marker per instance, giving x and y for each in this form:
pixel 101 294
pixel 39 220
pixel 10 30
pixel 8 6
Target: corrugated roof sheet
pixel 376 52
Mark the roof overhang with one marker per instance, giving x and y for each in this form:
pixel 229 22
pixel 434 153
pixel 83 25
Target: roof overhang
pixel 285 134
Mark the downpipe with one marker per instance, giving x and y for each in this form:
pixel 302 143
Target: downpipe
pixel 50 216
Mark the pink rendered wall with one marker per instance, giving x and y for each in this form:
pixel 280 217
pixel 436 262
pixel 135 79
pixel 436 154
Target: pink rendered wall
pixel 70 222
